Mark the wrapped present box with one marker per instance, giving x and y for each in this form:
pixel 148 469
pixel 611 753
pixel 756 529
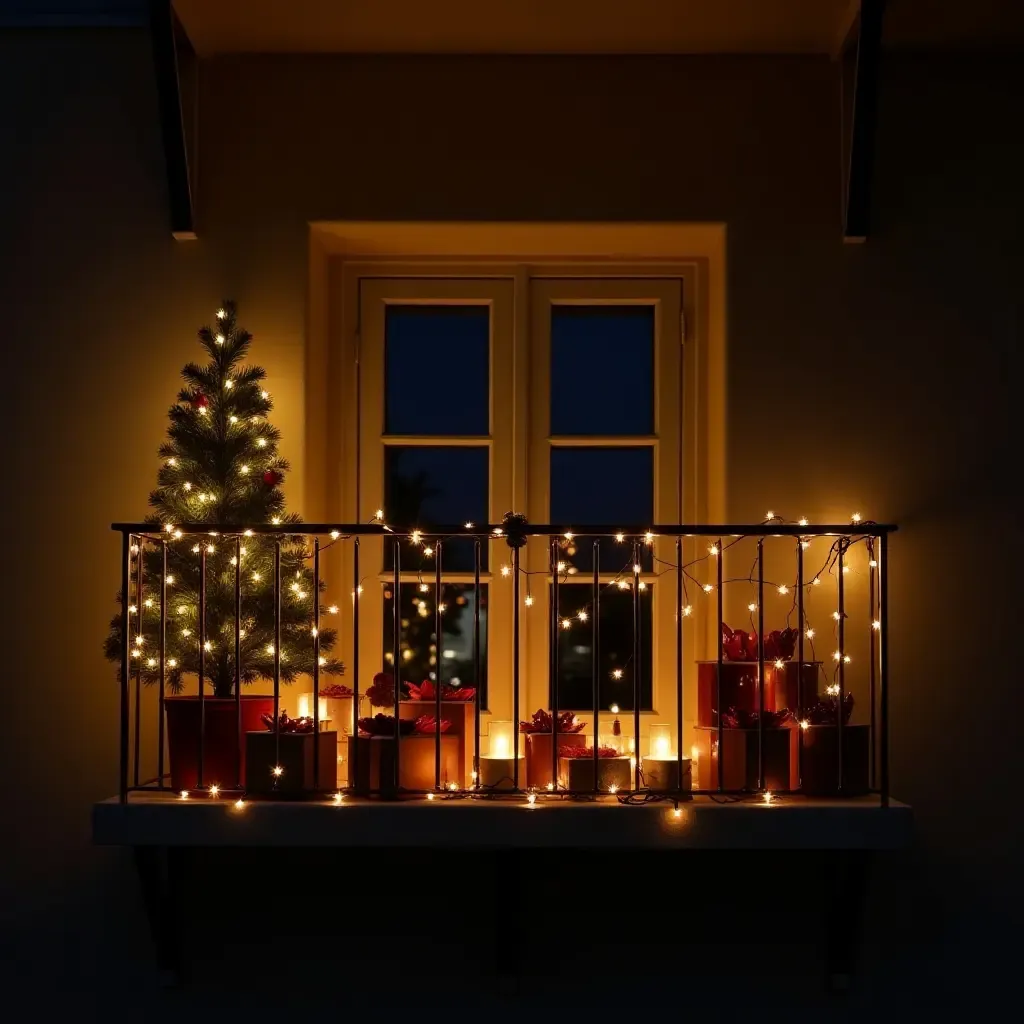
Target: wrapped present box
pixel 374 771
pixel 786 687
pixel 538 755
pixel 459 715
pixel 739 758
pixel 661 774
pixel 295 755
pixel 821 760
pixel 576 774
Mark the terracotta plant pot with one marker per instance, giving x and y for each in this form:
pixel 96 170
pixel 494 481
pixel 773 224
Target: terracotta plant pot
pixel 221 746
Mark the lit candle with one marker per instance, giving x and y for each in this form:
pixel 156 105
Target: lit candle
pixel 306 707
pixel 661 766
pixel 497 766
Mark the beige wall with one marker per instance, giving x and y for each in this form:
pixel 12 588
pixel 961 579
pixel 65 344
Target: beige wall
pixel 885 371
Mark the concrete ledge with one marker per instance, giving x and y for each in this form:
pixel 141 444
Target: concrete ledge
pixel 789 824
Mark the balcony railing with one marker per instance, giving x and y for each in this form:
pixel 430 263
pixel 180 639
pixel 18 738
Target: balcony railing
pixel 146 581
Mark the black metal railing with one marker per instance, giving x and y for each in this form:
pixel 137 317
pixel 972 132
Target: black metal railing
pixel 141 589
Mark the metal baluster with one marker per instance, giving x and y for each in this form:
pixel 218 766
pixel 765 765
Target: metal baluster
pixel 842 667
pixel 596 663
pixel 353 761
pixel 126 640
pixel 202 665
pixel 277 661
pixel 679 664
pixel 240 737
pixel 873 659
pixel 163 667
pixel 883 663
pixel 439 682
pixel 718 677
pixel 554 662
pixel 396 636
pixel 801 626
pixel 636 665
pixel 477 675
pixel 760 664
pixel 316 667
pixel 515 669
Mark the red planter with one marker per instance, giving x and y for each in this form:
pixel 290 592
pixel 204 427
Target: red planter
pixel 538 755
pixel 221 746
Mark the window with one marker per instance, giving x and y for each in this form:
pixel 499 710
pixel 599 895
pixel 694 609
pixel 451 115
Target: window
pixel 558 396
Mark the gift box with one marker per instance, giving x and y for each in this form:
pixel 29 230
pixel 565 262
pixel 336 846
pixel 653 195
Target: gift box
pixel 459 715
pixel 739 758
pixel 295 753
pixel 576 774
pixel 820 760
pixel 790 686
pixel 375 769
pixel 538 755
pixel 661 775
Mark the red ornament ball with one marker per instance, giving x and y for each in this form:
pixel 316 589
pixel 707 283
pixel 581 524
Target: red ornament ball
pixel 200 401
pixel 272 478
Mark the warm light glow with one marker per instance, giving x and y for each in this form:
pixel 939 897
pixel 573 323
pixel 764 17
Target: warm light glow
pixel 473 775
pixel 582 615
pixel 805 544
pixel 623 585
pixel 335 534
pixel 847 659
pixel 136 653
pixel 694 752
pixel 751 607
pixel 783 589
pixel 506 570
pixel 261 442
pixel 531 798
pixel 617 673
pixel 201 410
pixel 277 771
pixel 804 724
pixel 232 419
pixel 713 550
pixel 428 552
pixel 873 564
pixel 442 607
pixel 551 787
pixel 835 615
pixel 195 549
pixel 186 632
pixel 768 797
pixel 132 609
pixel 338 797
pixel 833 690
pixel 170 581
pixel 837 655
pixel 407 654
pixel 256 577
pixel 148 602
pixel 244 469
pixel 151 662
pixel 221 314
pixel 568 535
pixel 415 536
pixel 270 648
pixel 620 537
pixel 855 518
pixel 877 624
pixel 816 582
pixel 779 663
pixel 636 568
pixel 560 567
pixel 430 796
pixel 809 634
pixel 210 549
pixel 214 792
pixel 802 521
pixel 769 516
pixel 677 812
pixel 529 600
pixel 613 788
pixel 184 794
pixel 661 740
pixel 846 568
pixel 649 537
pixel 172 662
pixel 687 610
pixel 469 526
pixel 264 394
pixel 208 646
pixel 239 804
pixel 614 709
pixel 332 609
pixel 708 588
pixel 497 531
pixel 229 384
pixel 566 623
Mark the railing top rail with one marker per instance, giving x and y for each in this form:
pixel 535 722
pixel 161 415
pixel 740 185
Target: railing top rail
pixel 496 530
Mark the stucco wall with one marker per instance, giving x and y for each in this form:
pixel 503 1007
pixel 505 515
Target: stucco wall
pixel 885 371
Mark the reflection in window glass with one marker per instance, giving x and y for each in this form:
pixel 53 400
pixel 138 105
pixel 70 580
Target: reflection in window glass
pixel 422 655
pixel 425 485
pixel 611 487
pixel 616 670
pixel 436 370
pixel 602 370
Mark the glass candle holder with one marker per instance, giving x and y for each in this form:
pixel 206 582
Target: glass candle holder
pixel 661 741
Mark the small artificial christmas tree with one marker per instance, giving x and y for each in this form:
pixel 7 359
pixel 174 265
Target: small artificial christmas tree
pixel 221 466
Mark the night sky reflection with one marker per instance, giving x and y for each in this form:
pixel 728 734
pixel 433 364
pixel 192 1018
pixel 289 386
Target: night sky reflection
pixel 602 383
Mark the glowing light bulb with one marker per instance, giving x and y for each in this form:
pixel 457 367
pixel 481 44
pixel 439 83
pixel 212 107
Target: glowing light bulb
pixel 769 516
pixel 247 533
pixel 201 410
pixel 622 585
pixel 473 775
pixel 713 550
pixel 560 567
pixel 617 673
pixel 497 531
pixel 855 518
pixel 804 724
pixel 136 653
pixel 708 588
pixel 234 561
pixel 614 709
pixel 529 600
pixel 184 794
pixel 428 552
pixel 379 514
pixel 332 609
pixel 430 796
pixel 582 615
pixel 779 663
pixel 148 602
pixel 322 661
pixel 151 662
pixel 244 469
pixel 276 521
pixel 264 395
pixel 816 582
pixel 568 534
pixel 132 609
pixel 846 569
pixel 335 534
pixel 752 607
pixel 270 648
pixel 620 537
pixel 649 537
pixel 172 663
pixel 531 798
pixel 414 537
pixel 172 461
pixel 802 521
pixel 208 646
pixel 506 570
pixel 551 787
pixel 178 534
pixel 214 792
pixel 833 690
pixel 338 797
pixel 277 771
pixel 835 615
pixel 239 804
pixel 186 633
pixel 453 787
pixel 783 589
pixel 256 577
pixel 442 607
pixel 677 812
pixel 637 568
pixel 613 789
pixel 873 564
pixel 809 634
pixel 768 798
pixel 566 623
pixel 846 659
pixel 805 544
pixel 837 655
pixel 210 549
pixel 641 585
pixel 195 549
pixel 221 314
pixel 232 419
pixel 229 384
pixel 261 441
pixel 876 624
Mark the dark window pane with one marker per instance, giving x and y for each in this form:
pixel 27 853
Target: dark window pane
pixel 611 487
pixel 437 378
pixel 616 668
pixel 602 370
pixel 422 655
pixel 430 485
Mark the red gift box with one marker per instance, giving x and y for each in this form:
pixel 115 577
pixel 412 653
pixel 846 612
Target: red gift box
pixel 376 763
pixel 782 687
pixel 739 758
pixel 821 760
